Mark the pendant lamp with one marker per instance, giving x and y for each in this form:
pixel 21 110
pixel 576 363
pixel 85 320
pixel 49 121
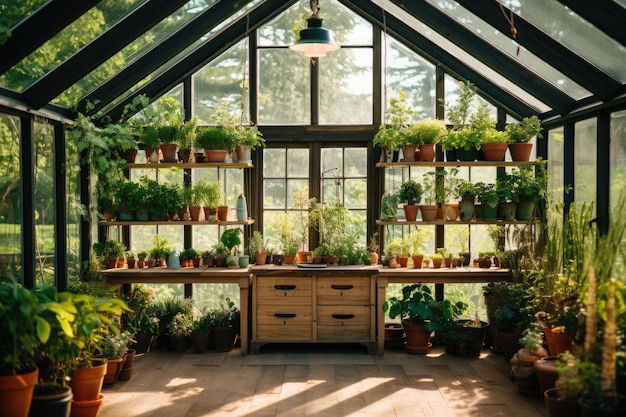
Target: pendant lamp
pixel 315 41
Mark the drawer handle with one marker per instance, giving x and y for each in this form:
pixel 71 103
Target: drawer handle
pixel 343 316
pixel 341 287
pixel 284 287
pixel 285 315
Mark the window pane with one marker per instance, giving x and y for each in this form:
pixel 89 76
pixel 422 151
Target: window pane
pixel 74 211
pixel 283 100
pixel 10 201
pixel 43 215
pixel 618 155
pixel 556 156
pixel 406 71
pixel 274 194
pixel 298 163
pixel 585 160
pixel 346 83
pixel 220 81
pixel 274 162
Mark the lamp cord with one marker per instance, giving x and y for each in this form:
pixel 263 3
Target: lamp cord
pixel 315 8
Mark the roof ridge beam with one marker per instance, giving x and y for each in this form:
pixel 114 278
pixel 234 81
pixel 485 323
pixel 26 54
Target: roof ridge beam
pixel 99 50
pixel 39 27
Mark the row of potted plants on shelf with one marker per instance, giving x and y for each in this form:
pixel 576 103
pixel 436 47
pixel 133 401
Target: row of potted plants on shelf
pixel 472 136
pixel 513 196
pixel 149 200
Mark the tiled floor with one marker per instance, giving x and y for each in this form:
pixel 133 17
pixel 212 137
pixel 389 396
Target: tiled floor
pixel 316 381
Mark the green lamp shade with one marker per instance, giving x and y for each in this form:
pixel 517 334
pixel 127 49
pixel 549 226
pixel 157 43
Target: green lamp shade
pixel 315 41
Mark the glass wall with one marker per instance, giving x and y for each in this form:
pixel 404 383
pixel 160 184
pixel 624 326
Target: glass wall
pixel 585 161
pixel 10 201
pixel 618 156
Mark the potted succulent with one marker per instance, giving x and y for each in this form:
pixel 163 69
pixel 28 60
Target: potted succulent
pixel 411 193
pixel 425 134
pixel 519 136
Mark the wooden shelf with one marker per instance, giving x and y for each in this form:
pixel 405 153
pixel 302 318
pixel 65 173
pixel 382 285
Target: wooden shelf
pixel 452 222
pixel 176 223
pixel 474 164
pixel 169 165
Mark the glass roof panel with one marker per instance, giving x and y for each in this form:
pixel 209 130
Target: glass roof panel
pixel 67 42
pixel 576 33
pixel 14 12
pixel 502 42
pixel 469 60
pixel 135 49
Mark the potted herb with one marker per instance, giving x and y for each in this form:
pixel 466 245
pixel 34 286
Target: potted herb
pixel 466 191
pixel 507 188
pixel 180 329
pixel 187 137
pixel 532 186
pixel 248 138
pixel 488 198
pixel 160 250
pixel 110 252
pixel 209 195
pixel 257 247
pixel 494 144
pixel 216 143
pixel 519 136
pixel 391 137
pixel 411 193
pixel 425 134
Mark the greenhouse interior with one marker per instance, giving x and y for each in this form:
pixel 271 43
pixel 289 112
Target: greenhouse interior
pixel 312 207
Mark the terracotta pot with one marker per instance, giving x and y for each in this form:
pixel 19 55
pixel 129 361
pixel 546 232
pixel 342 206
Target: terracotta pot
pixel 303 256
pixel 130 155
pixel 114 367
pixel 185 155
pixel 131 263
pixel 402 260
pixel 374 258
pixel 410 212
pixel 215 155
pixel 198 157
pixel 508 343
pixel 427 152
pixel 151 263
pixel 194 213
pixel 417 261
pixel 394 336
pixel 409 152
pixel 222 213
pixel 429 212
pixel 87 408
pixel 16 393
pixel 290 259
pixel 546 372
pixel 208 212
pixel 451 211
pixel 208 262
pixel 494 151
pixel 260 258
pixel 143 342
pixel 111 263
pixel 127 369
pixel 558 407
pixel 169 152
pixel 437 263
pixel 417 338
pixel 520 151
pixel 244 153
pixel 86 383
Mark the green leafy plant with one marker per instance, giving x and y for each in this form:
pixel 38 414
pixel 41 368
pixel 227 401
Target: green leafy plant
pixel 487 194
pixel 214 138
pixel 230 239
pixel 160 248
pixel 411 192
pixel 524 131
pixel 426 131
pixel 256 244
pixel 226 314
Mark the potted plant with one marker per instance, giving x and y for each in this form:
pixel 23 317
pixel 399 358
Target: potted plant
pixel 160 250
pixel 109 252
pixel 519 136
pixel 164 310
pixel 562 400
pixel 494 145
pixel 522 363
pixel 130 259
pixel 208 257
pixel 221 252
pixel 420 314
pixel 216 143
pixel 392 137
pixel 224 325
pixel 186 138
pixel 201 332
pixel 141 258
pixel 257 247
pixel 411 193
pixel 230 239
pixel 114 346
pixel 389 206
pixel 373 248
pixel 180 329
pixel 414 241
pixel 466 191
pixel 209 195
pixel 507 188
pixel 532 186
pixel 425 134
pixel 23 328
pixel 488 198
pixel 248 139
